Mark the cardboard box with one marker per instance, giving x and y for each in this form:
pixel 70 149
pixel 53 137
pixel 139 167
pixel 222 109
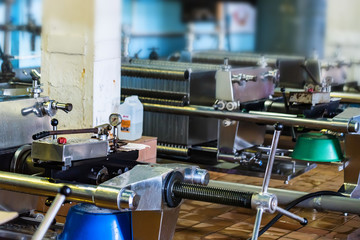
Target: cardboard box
pixel 148 154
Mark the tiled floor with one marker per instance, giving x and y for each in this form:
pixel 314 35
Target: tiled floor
pixel 200 220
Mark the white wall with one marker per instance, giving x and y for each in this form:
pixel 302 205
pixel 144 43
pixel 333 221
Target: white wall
pixel 81 58
pixel 343 29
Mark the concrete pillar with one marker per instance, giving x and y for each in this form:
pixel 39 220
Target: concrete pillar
pixel 343 32
pixel 81 58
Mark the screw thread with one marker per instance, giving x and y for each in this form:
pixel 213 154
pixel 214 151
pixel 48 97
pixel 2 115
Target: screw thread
pixel 212 194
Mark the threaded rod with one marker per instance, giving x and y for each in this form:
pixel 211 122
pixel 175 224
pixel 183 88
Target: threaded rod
pixel 212 194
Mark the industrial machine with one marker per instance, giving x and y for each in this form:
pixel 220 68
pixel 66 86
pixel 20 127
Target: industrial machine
pixel 95 171
pixel 116 207
pixel 63 168
pixel 220 88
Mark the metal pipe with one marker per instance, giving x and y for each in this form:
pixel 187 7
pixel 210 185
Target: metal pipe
pixel 7 34
pixel 175 65
pixel 270 162
pixel 257 223
pixel 193 110
pixel 291 215
pixel 240 59
pixel 137 71
pixel 346 97
pixel 43 187
pixel 49 217
pixel 155 94
pixel 330 203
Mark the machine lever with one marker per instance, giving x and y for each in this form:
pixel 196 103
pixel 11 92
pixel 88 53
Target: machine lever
pixel 301 220
pixel 43 134
pixel 268 202
pixel 54 122
pixel 51 213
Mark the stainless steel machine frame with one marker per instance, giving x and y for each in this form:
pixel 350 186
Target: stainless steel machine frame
pixel 348 124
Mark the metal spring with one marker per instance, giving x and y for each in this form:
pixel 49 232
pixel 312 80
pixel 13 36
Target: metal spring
pixel 158 101
pixel 212 194
pixel 171 149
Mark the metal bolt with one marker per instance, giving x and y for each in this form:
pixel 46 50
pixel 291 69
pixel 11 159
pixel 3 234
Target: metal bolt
pixel 196 176
pixel 129 200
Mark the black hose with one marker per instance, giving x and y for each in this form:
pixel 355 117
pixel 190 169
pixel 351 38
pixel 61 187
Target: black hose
pixel 296 202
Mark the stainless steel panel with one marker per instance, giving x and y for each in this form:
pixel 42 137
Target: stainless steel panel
pixel 73 150
pixel 251 91
pixel 202 88
pixel 147 181
pixel 168 223
pixel 239 135
pixel 9 201
pixel 202 130
pixel 227 135
pixel 352 170
pixel 16 129
pixel 155 225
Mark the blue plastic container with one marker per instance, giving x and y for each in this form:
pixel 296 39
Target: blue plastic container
pixel 86 221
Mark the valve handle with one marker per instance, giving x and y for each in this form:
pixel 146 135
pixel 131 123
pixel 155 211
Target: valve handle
pixel 66 107
pixel 40 135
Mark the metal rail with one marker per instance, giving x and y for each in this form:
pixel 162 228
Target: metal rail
pixel 87 193
pixel 175 65
pixel 192 110
pixel 330 203
pixel 44 187
pixel 346 97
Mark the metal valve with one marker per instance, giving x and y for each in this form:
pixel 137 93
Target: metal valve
pixel 47 108
pixel 50 107
pixel 243 78
pixel 35 89
pixel 274 74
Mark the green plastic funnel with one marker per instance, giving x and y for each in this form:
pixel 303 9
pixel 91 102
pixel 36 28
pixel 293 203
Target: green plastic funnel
pixel 317 147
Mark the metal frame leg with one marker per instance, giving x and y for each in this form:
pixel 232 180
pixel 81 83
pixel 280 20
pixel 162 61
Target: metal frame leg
pixel 51 213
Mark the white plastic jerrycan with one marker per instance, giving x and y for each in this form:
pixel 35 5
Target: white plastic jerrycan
pixel 132 113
